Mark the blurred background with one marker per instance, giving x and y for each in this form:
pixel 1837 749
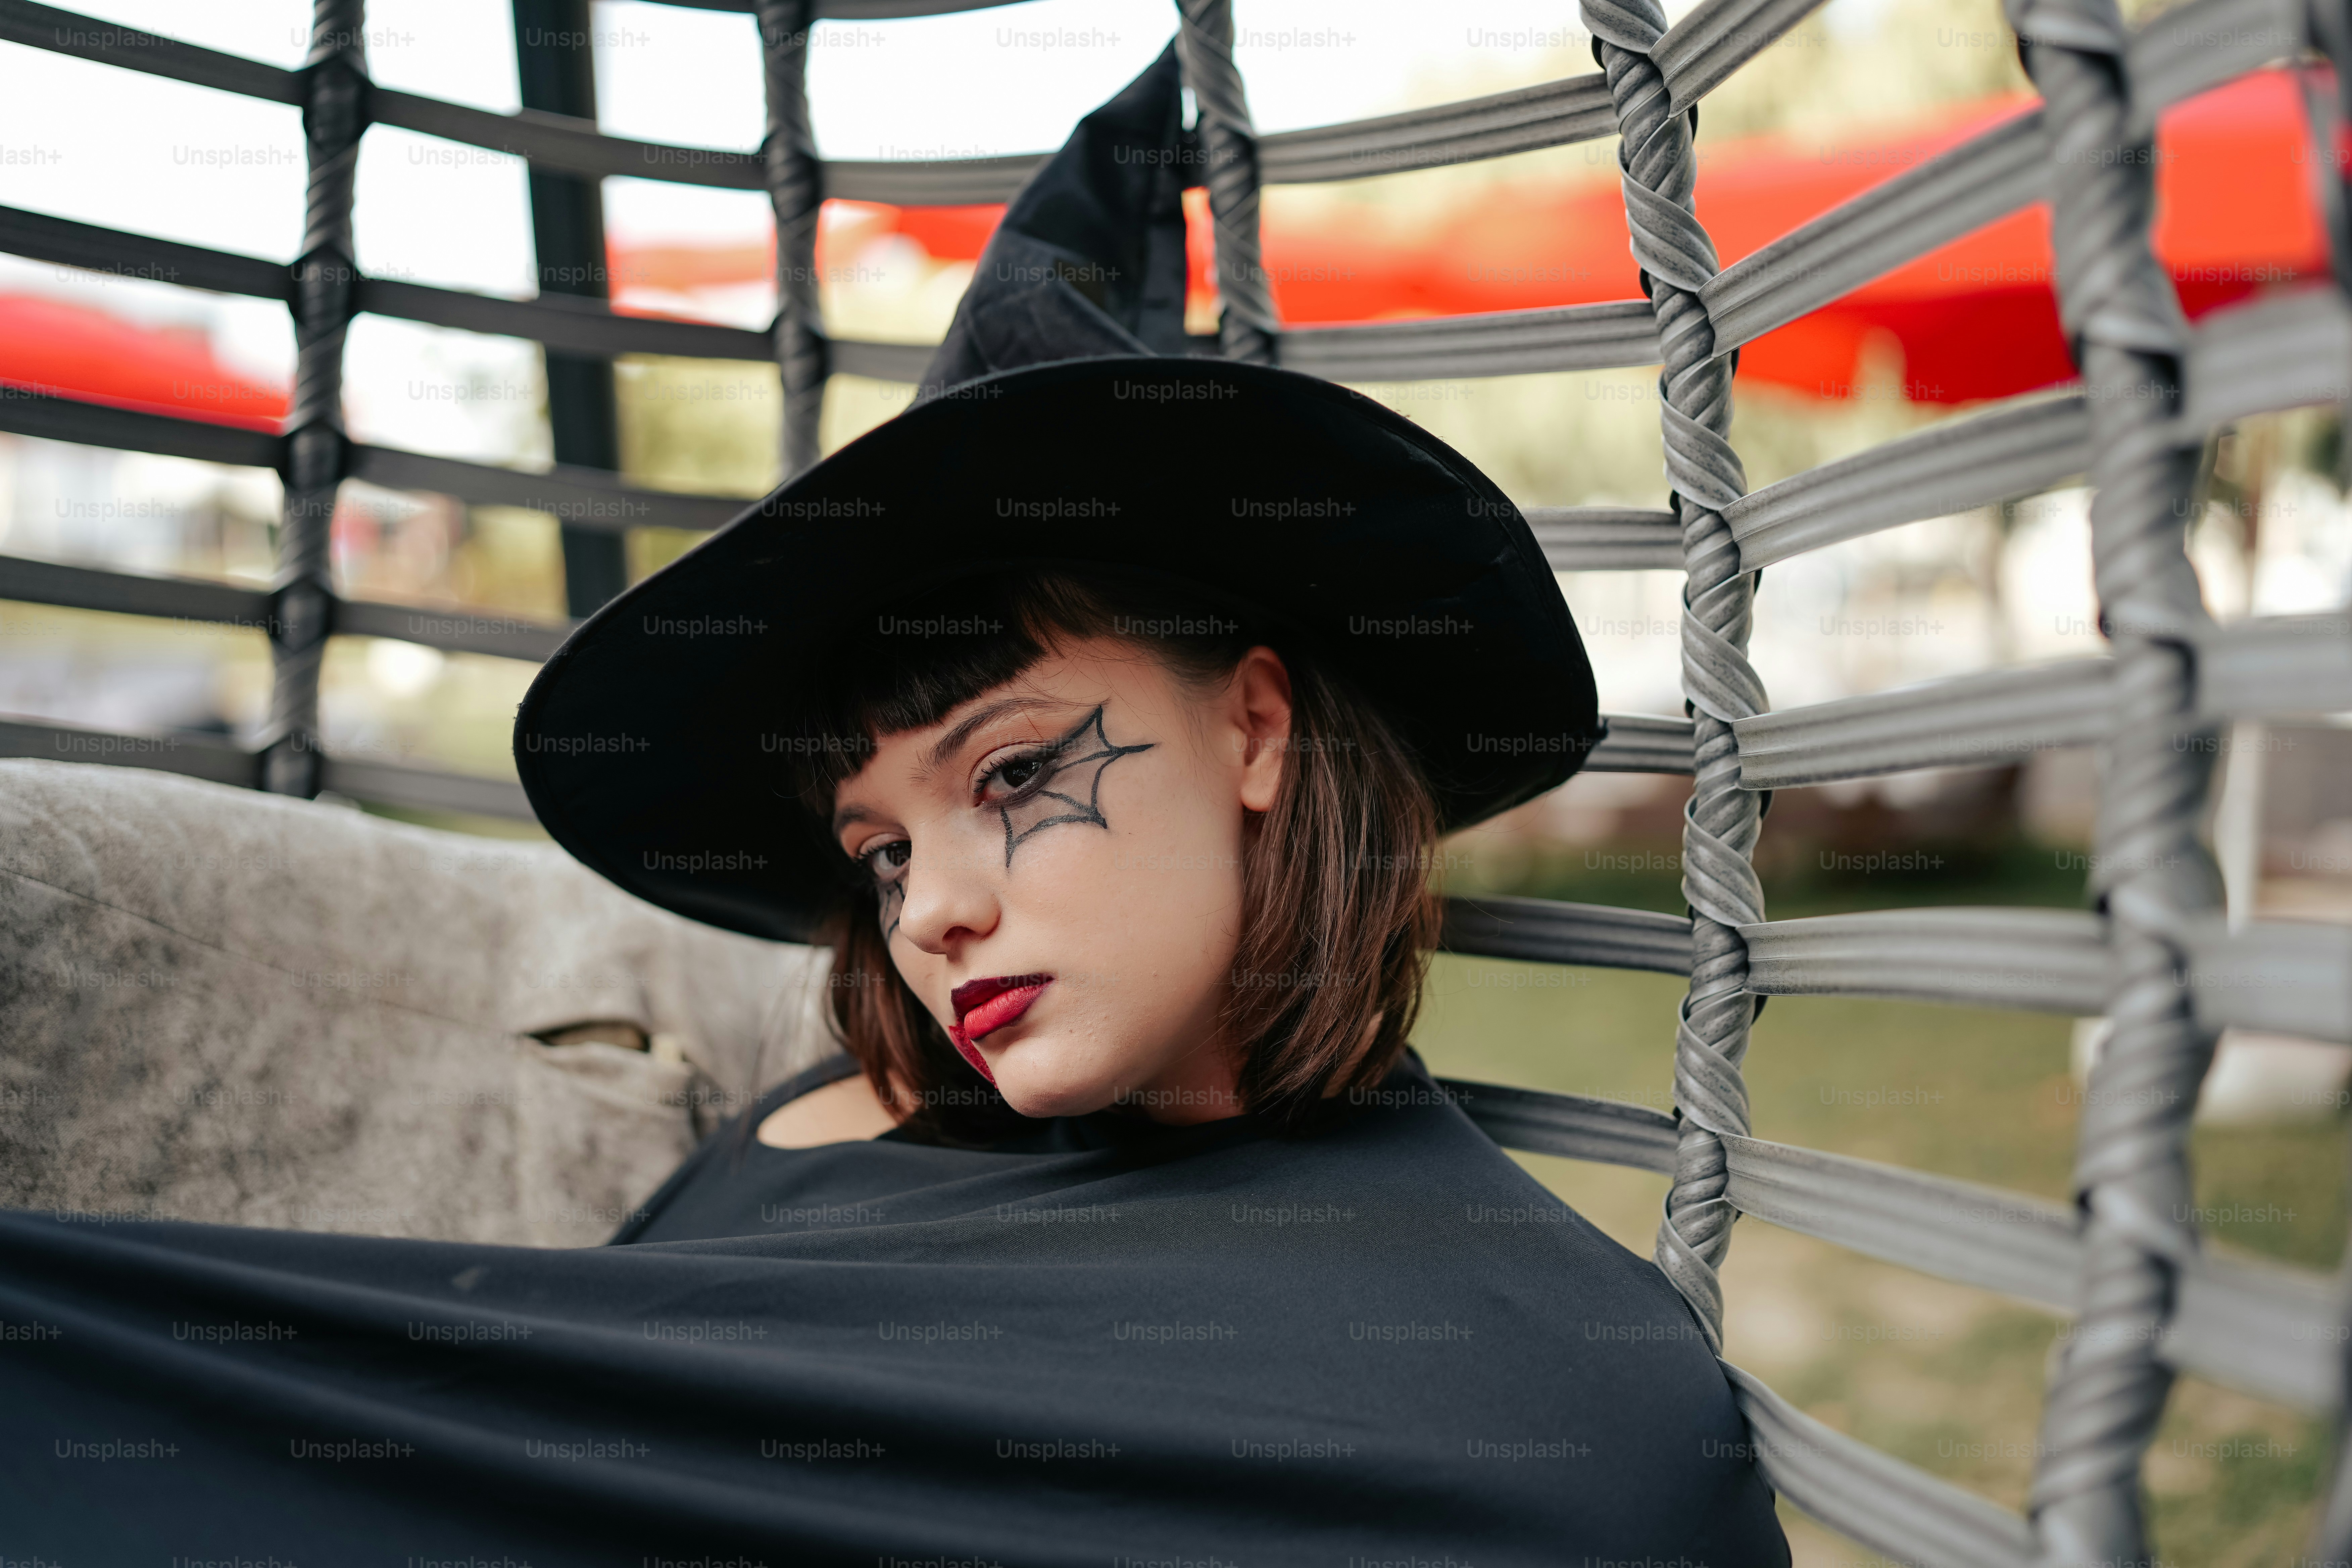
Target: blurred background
pixel 1861 91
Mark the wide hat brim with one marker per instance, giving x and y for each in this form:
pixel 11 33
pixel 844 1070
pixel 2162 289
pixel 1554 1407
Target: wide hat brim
pixel 651 743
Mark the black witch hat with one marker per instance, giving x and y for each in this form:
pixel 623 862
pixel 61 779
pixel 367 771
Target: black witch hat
pixel 1090 259
pixel 1063 423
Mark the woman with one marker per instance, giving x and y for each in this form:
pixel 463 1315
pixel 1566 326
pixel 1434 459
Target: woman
pixel 1115 806
pixel 1102 716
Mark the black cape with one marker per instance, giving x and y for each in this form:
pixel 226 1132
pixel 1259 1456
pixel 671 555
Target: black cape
pixel 1118 1345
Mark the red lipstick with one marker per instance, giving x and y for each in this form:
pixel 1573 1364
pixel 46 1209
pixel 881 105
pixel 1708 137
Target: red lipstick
pixel 984 1007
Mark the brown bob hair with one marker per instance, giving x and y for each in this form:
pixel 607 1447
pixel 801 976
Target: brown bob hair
pixel 1338 911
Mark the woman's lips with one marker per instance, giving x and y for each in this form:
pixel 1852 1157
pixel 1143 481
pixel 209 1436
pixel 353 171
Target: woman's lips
pixel 1001 1007
pixel 984 1007
pixel 970 1052
pixel 972 992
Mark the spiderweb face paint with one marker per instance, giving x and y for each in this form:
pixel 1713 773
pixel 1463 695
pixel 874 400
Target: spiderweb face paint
pixel 1069 787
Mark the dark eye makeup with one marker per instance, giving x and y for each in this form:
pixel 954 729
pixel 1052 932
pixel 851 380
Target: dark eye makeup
pixel 886 860
pixel 1014 774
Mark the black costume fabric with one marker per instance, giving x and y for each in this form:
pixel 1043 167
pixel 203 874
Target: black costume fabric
pixel 1117 1343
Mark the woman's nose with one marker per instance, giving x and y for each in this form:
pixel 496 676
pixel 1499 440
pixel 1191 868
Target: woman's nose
pixel 950 899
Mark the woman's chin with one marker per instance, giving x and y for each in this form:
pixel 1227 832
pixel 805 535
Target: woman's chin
pixel 1034 1083
pixel 1045 1102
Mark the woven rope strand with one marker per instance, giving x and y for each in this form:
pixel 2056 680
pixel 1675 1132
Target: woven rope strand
pixel 2131 1180
pixel 1205 46
pixel 796 192
pixel 2331 28
pixel 1720 824
pixel 2331 33
pixel 334 116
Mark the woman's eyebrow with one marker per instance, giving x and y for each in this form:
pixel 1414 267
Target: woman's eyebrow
pixel 948 745
pixel 950 742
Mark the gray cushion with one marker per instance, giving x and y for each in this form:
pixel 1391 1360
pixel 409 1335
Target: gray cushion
pixel 217 1004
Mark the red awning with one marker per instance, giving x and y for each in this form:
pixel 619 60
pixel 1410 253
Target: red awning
pixel 79 351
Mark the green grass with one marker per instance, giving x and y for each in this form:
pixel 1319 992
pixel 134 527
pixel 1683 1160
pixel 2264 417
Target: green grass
pixel 1801 876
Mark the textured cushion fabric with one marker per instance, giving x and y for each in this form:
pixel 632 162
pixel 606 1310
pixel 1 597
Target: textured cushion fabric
pixel 222 1005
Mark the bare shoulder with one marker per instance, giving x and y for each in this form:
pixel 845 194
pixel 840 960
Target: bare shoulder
pixel 840 1112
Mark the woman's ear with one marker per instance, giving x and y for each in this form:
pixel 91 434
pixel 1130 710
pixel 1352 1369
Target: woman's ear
pixel 1261 699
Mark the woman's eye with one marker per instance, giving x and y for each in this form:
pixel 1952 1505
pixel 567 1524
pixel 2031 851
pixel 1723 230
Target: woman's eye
pixel 1013 775
pixel 885 862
